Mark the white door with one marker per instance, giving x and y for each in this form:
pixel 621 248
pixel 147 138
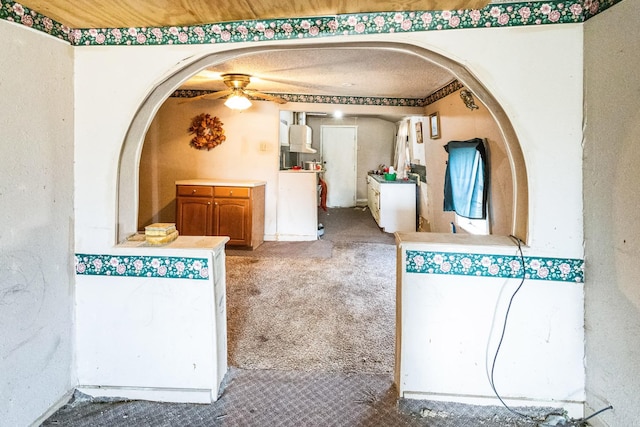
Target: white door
pixel 339 157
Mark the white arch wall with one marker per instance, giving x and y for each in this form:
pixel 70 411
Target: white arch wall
pixel 534 73
pixel 263 119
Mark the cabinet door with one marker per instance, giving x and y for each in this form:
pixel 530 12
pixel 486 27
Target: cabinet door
pixel 194 216
pixel 232 217
pixel 373 196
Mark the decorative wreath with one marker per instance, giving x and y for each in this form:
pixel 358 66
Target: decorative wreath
pixel 208 131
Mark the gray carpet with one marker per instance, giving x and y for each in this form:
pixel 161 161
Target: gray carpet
pixel 277 398
pixel 326 305
pixel 322 314
pixel 305 250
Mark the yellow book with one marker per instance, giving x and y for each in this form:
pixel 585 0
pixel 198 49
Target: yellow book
pixel 162 240
pixel 160 229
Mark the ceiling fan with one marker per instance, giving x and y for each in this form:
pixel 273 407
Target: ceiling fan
pixel 237 92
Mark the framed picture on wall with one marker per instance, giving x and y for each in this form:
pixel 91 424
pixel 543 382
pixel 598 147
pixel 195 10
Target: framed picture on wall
pixel 419 139
pixel 434 125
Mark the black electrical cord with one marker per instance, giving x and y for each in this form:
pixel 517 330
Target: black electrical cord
pixel 581 421
pixel 572 422
pixel 504 329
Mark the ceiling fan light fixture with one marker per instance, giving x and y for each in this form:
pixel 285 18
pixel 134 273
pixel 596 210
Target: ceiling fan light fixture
pixel 238 102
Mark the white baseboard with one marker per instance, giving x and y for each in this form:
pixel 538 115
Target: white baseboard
pixel 153 394
pixel 53 409
pixel 574 409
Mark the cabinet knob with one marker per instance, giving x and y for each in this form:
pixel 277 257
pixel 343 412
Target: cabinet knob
pixel 194 191
pixel 216 203
pixel 231 192
pixel 209 203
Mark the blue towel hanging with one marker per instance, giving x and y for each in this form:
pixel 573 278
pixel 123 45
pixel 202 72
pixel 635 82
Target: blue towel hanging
pixel 465 179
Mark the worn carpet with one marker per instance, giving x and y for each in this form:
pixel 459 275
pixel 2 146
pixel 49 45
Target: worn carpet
pixel 332 314
pixel 305 250
pixel 255 398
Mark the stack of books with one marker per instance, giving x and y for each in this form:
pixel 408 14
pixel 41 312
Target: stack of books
pixel 160 233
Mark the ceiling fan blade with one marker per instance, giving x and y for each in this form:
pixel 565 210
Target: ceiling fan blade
pixel 213 95
pixel 264 96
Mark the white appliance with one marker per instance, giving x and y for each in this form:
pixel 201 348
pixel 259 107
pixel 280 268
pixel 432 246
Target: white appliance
pixel 297 206
pixel 300 139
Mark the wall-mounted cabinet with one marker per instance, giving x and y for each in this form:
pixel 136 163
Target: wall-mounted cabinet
pixel 221 208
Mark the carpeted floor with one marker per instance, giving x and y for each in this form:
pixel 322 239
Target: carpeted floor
pixel 319 314
pixel 335 313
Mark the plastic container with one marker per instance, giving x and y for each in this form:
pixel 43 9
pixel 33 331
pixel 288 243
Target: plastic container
pixel 390 176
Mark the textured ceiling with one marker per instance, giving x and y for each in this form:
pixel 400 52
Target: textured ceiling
pixel 342 72
pixel 161 13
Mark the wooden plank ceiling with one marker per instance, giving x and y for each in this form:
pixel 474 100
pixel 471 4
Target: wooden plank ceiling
pixel 161 13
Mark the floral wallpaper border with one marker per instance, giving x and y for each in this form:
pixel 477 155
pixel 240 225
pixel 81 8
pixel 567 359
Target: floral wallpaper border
pixel 142 266
pixel 493 15
pixel 443 92
pixel 504 266
pixel 321 99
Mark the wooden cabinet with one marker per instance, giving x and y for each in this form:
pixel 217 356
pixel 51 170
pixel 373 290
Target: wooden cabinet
pixel 194 214
pixel 207 210
pixel 232 214
pixel 373 197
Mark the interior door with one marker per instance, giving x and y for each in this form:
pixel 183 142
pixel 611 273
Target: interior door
pixel 340 161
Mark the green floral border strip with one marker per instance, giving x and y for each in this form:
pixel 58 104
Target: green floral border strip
pixel 142 266
pixel 443 92
pixel 15 12
pixel 504 266
pixel 493 15
pixel 321 99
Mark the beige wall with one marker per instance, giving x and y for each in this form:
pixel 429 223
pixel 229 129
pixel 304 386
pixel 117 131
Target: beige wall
pixel 250 152
pixel 458 123
pixel 611 199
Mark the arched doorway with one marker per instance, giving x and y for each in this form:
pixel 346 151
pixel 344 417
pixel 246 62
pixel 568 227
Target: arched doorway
pixel 128 178
pixel 128 173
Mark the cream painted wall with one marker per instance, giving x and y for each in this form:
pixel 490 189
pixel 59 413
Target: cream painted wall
pixel 36 210
pixel 611 200
pixel 250 152
pixel 458 123
pixel 536 75
pixel 110 85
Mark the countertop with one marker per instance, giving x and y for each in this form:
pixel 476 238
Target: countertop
pixel 381 180
pixel 221 182
pixel 300 171
pixel 182 242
